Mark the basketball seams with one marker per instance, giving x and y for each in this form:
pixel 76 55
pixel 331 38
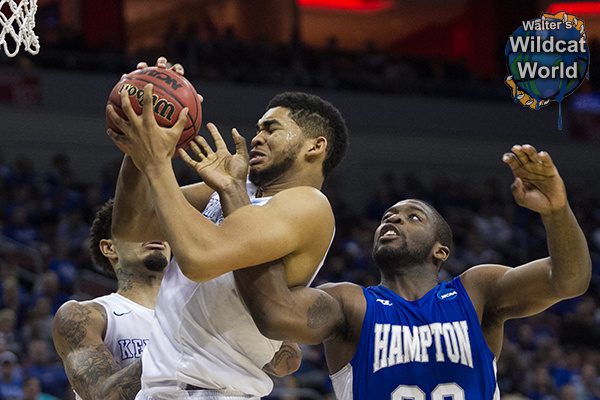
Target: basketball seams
pixel 197 108
pixel 194 119
pixel 169 93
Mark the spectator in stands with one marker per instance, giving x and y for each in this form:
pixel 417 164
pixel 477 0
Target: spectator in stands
pixel 10 377
pixel 49 372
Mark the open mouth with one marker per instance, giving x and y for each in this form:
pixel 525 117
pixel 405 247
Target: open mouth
pixel 388 232
pixel 256 157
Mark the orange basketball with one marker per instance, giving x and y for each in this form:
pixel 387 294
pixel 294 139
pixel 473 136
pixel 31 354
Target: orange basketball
pixel 171 94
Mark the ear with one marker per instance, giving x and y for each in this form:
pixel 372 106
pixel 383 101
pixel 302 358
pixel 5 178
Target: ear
pixel 440 252
pixel 317 147
pixel 107 248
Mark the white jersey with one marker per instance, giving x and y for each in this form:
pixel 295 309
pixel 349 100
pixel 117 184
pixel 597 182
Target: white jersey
pixel 128 326
pixel 205 336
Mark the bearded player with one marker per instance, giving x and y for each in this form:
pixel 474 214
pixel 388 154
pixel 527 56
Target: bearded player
pixel 206 343
pixel 412 337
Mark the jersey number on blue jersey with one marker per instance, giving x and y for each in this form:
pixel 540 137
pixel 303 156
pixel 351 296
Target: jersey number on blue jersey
pixel 442 391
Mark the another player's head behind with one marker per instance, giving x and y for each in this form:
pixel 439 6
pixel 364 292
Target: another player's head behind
pixel 412 236
pixel 113 256
pixel 299 135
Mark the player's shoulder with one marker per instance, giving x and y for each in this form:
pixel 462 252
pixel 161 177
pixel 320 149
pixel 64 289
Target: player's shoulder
pixel 303 200
pixel 301 194
pixel 480 282
pixel 483 275
pixel 89 314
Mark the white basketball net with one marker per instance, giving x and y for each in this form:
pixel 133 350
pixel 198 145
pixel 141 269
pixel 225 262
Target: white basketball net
pixel 18 25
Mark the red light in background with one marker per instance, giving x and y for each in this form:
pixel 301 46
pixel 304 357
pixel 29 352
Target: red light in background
pixel 348 5
pixel 577 8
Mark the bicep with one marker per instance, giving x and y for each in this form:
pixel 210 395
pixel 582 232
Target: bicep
pixel 77 334
pixel 319 316
pixel 254 235
pixel 516 292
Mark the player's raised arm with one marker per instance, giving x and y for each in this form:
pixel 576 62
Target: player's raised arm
pixel 77 334
pixel 533 287
pixel 134 215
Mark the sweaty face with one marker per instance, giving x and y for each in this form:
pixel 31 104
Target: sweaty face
pixel 152 255
pixel 275 147
pixel 405 235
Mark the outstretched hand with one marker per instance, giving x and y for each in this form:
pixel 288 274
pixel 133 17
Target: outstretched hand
pixel 218 168
pixel 537 185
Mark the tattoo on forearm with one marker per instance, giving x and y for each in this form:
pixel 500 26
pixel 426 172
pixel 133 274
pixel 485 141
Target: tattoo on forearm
pixel 90 367
pixel 126 382
pixel 96 375
pixel 316 316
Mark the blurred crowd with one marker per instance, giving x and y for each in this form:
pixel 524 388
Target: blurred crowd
pixel 214 54
pixel 45 218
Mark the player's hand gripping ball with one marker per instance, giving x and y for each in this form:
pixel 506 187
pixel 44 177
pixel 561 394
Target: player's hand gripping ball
pixel 171 94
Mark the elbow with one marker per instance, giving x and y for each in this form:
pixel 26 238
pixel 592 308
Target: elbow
pixel 581 287
pixel 293 360
pixel 576 286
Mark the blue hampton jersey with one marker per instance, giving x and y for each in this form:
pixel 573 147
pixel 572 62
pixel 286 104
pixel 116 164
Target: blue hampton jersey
pixel 429 349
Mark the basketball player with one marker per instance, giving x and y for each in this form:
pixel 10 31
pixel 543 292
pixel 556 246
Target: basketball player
pixel 101 341
pixel 206 345
pixel 413 337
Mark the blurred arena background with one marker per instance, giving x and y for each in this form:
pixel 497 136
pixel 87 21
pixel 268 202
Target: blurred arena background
pixel 421 86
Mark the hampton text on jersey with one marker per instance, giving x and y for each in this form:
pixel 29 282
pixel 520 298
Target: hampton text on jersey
pixel 400 344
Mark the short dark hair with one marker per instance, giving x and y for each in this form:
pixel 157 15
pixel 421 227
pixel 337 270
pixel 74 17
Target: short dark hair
pixel 101 229
pixel 317 117
pixel 443 232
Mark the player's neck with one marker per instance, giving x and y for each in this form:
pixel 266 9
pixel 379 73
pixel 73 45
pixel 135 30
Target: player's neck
pixel 287 182
pixel 141 288
pixel 410 284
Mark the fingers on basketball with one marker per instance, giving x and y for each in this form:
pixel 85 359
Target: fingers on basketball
pixel 182 120
pixel 147 110
pixel 116 119
pixel 178 68
pixel 126 107
pixel 162 62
